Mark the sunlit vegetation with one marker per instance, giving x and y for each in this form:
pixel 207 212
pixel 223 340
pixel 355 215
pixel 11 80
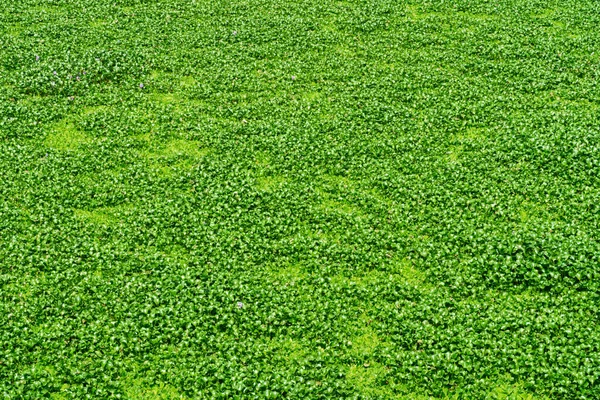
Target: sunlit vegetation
pixel 267 199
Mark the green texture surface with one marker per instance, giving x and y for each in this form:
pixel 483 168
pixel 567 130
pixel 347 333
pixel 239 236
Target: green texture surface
pixel 308 199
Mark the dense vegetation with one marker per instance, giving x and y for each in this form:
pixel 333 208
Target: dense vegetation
pixel 299 199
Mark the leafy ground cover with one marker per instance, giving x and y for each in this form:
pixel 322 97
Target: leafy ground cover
pixel 299 199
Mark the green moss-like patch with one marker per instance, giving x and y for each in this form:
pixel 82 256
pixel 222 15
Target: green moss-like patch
pixel 65 137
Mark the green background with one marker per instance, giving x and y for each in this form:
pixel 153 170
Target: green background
pixel 299 199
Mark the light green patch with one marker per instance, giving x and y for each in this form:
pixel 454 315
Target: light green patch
pixel 310 234
pixel 104 215
pixel 415 13
pixel 399 271
pixel 373 381
pixel 113 175
pixel 145 138
pixel 453 154
pixel 177 155
pixel 65 137
pixel 344 51
pixel 543 14
pixel 90 110
pixel 143 389
pixel 188 81
pixel 374 193
pixel 367 380
pixel 386 66
pixel 31 100
pixel 8 86
pixel 329 27
pixel 561 102
pixel 572 35
pixel 327 116
pixel 531 211
pixel 45 9
pixel 469 28
pixel 337 206
pixel 342 280
pixel 472 135
pixel 520 166
pixel 365 344
pixel 23 288
pixel 269 183
pixel 14 29
pixel 528 295
pixel 505 391
pixel 181 147
pixel 584 104
pixel 154 75
pixel 164 171
pixel 329 24
pixel 524 215
pixel 50 370
pixel 95 217
pixel 177 255
pixel 336 180
pixel 262 159
pixel 287 349
pixel 288 275
pixel 558 26
pixel 311 96
pixel 409 274
pixel 177 102
pixel 478 17
pixel 98 23
pixel 169 171
pixel 343 183
pixel 197 103
pixel 445 27
pixel 165 98
pixel 59 395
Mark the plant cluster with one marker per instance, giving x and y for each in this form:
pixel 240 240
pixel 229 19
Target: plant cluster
pixel 299 199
